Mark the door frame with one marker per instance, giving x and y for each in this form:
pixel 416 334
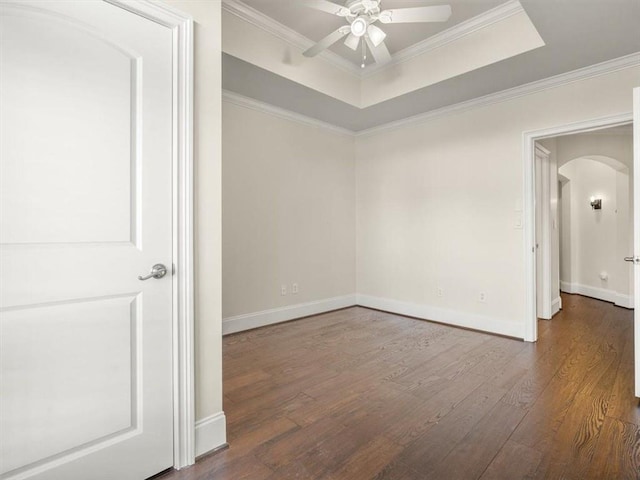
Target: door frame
pixel 183 319
pixel 528 157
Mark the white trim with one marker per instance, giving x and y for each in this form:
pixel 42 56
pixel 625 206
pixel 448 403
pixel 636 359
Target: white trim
pixel 474 24
pixel 181 26
pixel 442 315
pixel 293 38
pixel 603 294
pixel 607 133
pixel 246 102
pixel 556 306
pixel 248 321
pixel 210 433
pixel 528 156
pixel 604 68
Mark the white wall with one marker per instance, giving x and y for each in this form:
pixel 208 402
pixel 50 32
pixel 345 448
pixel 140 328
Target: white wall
pixel 210 429
pixel 288 217
pixel 437 205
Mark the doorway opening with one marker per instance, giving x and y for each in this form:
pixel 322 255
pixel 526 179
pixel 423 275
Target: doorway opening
pixel 584 215
pixel 548 190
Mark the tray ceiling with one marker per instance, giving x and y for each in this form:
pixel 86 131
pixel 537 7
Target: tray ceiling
pixel 315 25
pixel 577 34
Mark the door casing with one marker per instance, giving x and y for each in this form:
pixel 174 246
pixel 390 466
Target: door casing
pixel 181 26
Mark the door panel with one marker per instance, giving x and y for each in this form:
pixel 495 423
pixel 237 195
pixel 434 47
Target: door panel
pixel 69 107
pixel 86 141
pixel 62 393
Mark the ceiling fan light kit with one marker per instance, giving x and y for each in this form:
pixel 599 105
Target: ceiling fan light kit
pixel 376 35
pixel 361 15
pixel 359 26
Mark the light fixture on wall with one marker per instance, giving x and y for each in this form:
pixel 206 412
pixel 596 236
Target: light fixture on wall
pixel 596 203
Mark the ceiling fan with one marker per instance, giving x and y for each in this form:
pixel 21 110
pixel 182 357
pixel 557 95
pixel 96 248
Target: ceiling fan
pixel 362 15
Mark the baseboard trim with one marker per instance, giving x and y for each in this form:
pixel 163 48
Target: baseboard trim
pixel 211 433
pixel 556 306
pixel 603 294
pixel 249 321
pixel 442 315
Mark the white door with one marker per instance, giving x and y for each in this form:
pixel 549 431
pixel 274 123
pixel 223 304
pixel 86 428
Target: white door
pixel 636 230
pixel 85 207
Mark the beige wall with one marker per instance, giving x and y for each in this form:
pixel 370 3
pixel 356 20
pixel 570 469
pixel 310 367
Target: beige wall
pixel 595 242
pixel 207 158
pixel 619 147
pixel 437 202
pixel 593 233
pixel 288 212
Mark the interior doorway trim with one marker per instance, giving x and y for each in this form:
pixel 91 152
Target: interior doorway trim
pixel 181 26
pixel 528 155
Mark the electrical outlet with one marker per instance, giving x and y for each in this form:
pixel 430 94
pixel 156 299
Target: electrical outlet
pixel 439 292
pixel 283 290
pixel 294 288
pixel 482 297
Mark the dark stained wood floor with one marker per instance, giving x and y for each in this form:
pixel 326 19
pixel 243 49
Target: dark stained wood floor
pixel 359 394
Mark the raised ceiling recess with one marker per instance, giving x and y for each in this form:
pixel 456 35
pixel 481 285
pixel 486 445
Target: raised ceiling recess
pixel 477 48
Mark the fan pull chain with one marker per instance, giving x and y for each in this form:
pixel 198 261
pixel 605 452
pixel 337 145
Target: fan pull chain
pixel 364 53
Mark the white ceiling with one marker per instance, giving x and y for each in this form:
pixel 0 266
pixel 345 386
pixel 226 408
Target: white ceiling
pixel 315 25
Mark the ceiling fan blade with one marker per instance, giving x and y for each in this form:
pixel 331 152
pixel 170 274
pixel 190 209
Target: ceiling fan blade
pixel 327 41
pixel 328 7
pixel 352 42
pixel 380 53
pixel 436 13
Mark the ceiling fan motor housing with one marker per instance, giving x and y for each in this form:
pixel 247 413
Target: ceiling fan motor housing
pixel 363 7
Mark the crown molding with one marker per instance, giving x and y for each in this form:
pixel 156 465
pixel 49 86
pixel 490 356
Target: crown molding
pixel 474 24
pixel 269 25
pixel 246 102
pixel 610 66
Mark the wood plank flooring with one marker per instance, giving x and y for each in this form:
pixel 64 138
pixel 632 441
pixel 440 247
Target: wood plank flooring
pixel 359 394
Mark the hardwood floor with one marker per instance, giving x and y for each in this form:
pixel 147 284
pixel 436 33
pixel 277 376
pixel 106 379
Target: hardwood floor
pixel 359 394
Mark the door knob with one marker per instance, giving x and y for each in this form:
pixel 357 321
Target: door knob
pixel 157 271
pixel 632 259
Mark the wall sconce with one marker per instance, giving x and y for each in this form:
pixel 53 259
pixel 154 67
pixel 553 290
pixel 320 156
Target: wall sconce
pixel 596 203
